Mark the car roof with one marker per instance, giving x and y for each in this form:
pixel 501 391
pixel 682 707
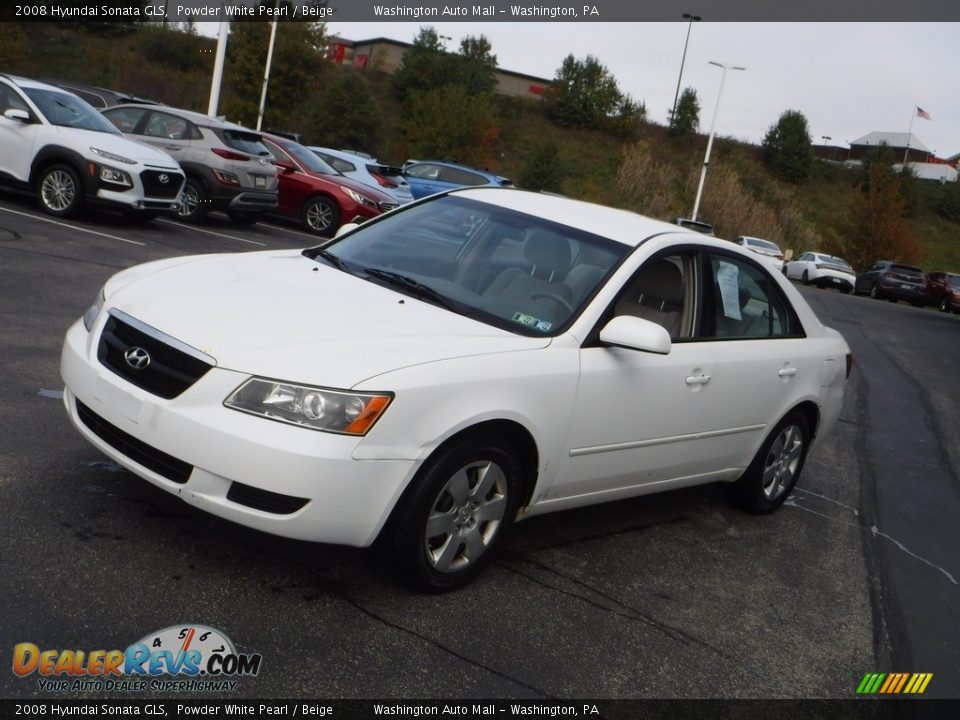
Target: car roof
pixel 624 226
pixel 194 117
pixel 28 83
pixel 458 166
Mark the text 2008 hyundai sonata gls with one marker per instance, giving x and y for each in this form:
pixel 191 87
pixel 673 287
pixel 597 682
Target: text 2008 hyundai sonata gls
pixel 452 366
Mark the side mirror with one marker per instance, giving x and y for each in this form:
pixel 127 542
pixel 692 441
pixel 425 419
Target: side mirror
pixel 636 333
pixel 346 227
pixel 286 166
pixel 17 114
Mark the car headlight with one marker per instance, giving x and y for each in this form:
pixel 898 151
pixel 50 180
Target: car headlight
pixel 112 157
pixel 358 198
pixel 114 176
pixel 335 411
pixel 90 316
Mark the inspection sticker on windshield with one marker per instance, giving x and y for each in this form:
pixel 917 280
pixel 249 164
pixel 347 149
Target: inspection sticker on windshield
pixel 532 322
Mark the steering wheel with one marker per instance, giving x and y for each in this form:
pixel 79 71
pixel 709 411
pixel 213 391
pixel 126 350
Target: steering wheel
pixel 556 297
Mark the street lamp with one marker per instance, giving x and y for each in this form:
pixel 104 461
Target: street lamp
pixel 713 125
pixel 825 138
pixel 676 95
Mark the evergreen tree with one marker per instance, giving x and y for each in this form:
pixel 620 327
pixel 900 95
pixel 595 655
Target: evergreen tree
pixel 788 148
pixel 478 65
pixel 543 170
pixel 686 121
pixel 345 113
pixel 426 65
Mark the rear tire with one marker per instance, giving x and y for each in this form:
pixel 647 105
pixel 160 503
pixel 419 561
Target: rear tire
pixel 194 204
pixel 875 293
pixel 806 278
pixel 453 516
pixel 59 191
pixel 775 469
pixel 944 305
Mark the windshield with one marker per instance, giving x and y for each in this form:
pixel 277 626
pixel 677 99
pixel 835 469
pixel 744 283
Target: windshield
pixel 509 269
pixel 953 281
pixel 309 159
pixel 60 108
pixel 762 244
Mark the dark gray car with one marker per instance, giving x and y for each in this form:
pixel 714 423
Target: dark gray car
pixel 888 280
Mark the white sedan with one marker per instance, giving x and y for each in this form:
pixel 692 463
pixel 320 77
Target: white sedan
pixel 821 270
pixel 466 361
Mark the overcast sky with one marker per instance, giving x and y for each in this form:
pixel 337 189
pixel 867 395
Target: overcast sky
pixel 848 79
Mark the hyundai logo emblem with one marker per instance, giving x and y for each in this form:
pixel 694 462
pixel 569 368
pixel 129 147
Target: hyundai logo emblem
pixel 137 358
pixel 164 179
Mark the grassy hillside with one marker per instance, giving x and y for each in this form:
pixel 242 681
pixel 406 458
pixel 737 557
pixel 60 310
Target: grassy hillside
pixel 651 173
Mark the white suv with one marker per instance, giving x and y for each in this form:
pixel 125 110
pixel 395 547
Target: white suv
pixel 57 145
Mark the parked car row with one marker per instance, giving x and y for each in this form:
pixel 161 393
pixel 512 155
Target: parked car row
pixel 145 158
pixel 883 280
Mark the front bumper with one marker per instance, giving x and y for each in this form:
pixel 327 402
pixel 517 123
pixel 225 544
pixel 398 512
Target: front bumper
pixel 246 469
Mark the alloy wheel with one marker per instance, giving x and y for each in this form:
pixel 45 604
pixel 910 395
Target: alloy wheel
pixel 782 462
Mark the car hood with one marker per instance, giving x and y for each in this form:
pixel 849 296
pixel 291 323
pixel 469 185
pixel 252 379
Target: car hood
pixel 124 147
pixel 354 184
pixel 279 314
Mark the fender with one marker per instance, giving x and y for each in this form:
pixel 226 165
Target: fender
pixel 57 153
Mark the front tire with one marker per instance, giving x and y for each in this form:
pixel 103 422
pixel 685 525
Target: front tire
pixel 59 191
pixel 874 292
pixel 455 514
pixel 776 467
pixel 944 305
pixel 320 216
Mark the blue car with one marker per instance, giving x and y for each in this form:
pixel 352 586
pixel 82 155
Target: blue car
pixel 429 177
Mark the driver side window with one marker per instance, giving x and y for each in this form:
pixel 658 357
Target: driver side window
pixel 661 291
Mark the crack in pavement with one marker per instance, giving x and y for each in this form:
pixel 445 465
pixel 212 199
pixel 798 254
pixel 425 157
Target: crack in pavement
pixel 627 612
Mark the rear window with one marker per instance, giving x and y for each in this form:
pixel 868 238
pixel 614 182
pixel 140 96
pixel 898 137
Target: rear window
pixel 247 142
pixel 907 270
pixel 756 242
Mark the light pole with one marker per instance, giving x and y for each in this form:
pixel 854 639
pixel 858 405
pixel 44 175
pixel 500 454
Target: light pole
pixel 713 125
pixel 676 95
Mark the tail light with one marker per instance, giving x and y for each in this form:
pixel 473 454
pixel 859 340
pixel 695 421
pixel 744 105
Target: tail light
pixel 384 181
pixel 230 155
pixel 849 364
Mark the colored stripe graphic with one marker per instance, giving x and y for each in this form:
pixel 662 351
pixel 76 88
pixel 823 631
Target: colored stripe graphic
pixel 894 683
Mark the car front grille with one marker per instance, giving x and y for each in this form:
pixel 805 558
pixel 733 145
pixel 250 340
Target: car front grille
pixel 155 187
pixel 264 500
pixel 149 457
pixel 385 206
pixel 168 371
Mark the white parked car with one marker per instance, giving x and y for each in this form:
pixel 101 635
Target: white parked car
pixel 369 171
pixel 821 270
pixel 770 251
pixel 58 146
pixel 435 374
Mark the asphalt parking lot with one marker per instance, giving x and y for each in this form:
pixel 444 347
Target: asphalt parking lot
pixel 668 596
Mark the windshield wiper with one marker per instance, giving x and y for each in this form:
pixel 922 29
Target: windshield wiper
pixel 418 289
pixel 328 256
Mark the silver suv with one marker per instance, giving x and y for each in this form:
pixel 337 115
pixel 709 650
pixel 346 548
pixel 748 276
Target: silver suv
pixel 227 166
pixel 57 145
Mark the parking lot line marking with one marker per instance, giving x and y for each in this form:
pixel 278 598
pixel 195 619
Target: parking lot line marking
pixel 73 227
pixel 211 232
pixel 317 238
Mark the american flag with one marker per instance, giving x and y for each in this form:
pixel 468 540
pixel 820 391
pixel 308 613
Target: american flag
pixel 923 113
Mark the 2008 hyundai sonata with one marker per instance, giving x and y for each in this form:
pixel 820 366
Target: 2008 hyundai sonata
pixel 430 377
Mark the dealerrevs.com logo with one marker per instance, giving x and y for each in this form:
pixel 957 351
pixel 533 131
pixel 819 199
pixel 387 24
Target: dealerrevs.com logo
pixel 180 658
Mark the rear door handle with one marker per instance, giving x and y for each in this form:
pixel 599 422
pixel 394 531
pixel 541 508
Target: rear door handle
pixel 787 372
pixel 697 380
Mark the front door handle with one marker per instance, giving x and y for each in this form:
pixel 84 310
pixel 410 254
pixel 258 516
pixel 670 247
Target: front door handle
pixel 697 380
pixel 787 372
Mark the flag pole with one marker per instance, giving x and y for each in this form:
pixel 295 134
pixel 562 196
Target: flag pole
pixel 909 134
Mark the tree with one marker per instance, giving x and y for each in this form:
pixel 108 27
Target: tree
pixel 685 122
pixel 478 65
pixel 345 113
pixel 543 170
pixel 294 73
pixel 880 229
pixel 13 47
pixel 424 66
pixel 583 94
pixel 788 148
pixel 449 123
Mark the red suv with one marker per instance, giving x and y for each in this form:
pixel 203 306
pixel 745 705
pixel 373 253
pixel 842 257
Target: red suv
pixel 317 195
pixel 943 291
